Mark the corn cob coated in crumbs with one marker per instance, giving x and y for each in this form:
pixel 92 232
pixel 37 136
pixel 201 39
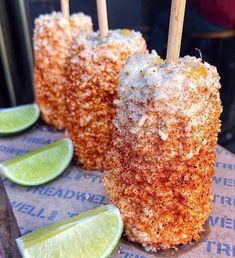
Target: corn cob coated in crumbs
pixel 92 70
pixel 163 156
pixel 53 35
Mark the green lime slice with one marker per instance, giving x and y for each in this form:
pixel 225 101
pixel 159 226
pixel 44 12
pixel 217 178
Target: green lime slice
pixel 39 166
pixel 92 234
pixel 13 120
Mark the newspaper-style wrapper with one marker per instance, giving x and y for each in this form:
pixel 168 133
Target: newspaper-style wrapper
pixel 78 190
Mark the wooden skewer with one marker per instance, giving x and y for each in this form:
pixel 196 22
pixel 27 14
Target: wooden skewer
pixel 65 8
pixel 175 30
pixel 102 18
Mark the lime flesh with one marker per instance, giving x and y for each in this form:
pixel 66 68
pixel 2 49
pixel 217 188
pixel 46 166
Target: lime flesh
pixel 92 234
pixel 13 120
pixel 39 166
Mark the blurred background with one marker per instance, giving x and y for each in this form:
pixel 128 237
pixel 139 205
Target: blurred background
pixel 209 31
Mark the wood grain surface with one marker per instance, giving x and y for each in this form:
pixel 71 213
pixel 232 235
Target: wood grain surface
pixel 9 230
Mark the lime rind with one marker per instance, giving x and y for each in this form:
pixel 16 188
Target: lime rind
pixel 104 212
pixel 50 230
pixel 27 124
pixel 4 166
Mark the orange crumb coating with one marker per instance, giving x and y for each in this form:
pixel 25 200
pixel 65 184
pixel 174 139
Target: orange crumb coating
pixel 163 155
pixel 92 70
pixel 53 35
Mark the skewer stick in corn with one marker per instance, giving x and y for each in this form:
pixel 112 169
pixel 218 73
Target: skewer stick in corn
pixel 102 18
pixel 175 30
pixel 65 8
pixel 164 145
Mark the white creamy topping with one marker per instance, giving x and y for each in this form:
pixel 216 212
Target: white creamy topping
pixel 149 85
pixel 53 27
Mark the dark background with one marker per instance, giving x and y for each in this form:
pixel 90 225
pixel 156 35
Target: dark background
pixel 151 17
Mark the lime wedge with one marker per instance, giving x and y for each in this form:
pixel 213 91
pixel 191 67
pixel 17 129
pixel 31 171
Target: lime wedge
pixel 13 120
pixel 39 166
pixel 92 234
